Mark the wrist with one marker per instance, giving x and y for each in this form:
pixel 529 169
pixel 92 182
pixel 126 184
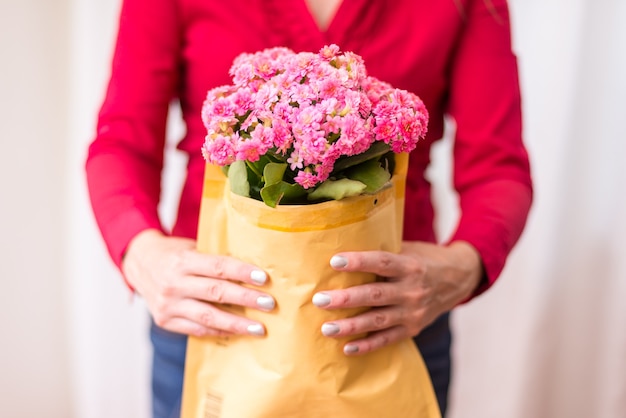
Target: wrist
pixel 141 240
pixel 469 267
pixel 139 244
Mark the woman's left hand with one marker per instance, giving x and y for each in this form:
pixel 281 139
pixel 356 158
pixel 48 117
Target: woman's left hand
pixel 420 283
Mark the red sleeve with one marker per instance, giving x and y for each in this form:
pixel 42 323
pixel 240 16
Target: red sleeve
pixel 125 160
pixel 491 168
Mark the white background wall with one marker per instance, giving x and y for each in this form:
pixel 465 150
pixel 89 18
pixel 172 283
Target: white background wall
pixel 34 359
pixel 549 340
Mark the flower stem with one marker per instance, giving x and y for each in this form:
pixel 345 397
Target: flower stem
pixel 254 169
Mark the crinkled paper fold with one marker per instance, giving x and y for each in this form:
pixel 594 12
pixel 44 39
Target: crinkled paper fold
pixel 295 371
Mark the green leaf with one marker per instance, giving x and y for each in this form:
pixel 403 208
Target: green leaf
pixel 255 176
pixel 376 150
pixel 255 168
pixel 337 189
pixel 275 193
pixel 273 173
pixel 388 162
pixel 370 173
pixel 238 178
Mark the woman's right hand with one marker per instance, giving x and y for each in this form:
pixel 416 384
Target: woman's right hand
pixel 181 285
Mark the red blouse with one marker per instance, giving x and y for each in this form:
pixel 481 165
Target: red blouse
pixel 457 59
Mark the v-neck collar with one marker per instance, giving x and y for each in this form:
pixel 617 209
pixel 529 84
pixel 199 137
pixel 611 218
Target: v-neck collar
pixel 296 28
pixel 331 20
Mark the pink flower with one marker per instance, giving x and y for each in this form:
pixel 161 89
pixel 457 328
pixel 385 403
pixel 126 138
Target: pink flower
pixel 329 52
pixel 242 100
pixel 261 140
pixel 266 96
pixel 313 148
pixel 302 94
pixel 306 179
pixel 294 160
pixel 386 129
pixel 332 125
pixel 242 73
pixel 329 87
pixel 307 110
pixel 309 119
pixel 219 150
pixel 282 136
pixel 376 90
pixel 355 138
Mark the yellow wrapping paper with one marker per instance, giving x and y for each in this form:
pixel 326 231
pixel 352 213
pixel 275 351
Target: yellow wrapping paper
pixel 295 371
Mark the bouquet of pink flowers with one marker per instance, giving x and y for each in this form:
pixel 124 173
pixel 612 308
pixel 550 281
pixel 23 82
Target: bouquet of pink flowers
pixel 294 129
pixel 298 128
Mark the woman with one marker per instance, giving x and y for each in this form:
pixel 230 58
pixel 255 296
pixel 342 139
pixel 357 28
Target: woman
pixel 456 55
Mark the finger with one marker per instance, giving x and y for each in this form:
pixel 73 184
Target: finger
pixel 223 291
pixel 188 327
pixel 209 316
pixel 381 263
pixel 373 320
pixel 375 341
pixel 371 294
pixel 222 267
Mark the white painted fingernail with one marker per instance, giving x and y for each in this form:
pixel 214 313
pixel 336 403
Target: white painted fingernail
pixel 256 329
pixel 338 262
pixel 330 329
pixel 350 349
pixel 266 302
pixel 321 300
pixel 258 276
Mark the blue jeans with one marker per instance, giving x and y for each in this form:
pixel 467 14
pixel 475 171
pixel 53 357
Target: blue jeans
pixel 434 344
pixel 169 362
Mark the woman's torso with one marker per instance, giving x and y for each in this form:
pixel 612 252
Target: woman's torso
pixel 408 43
